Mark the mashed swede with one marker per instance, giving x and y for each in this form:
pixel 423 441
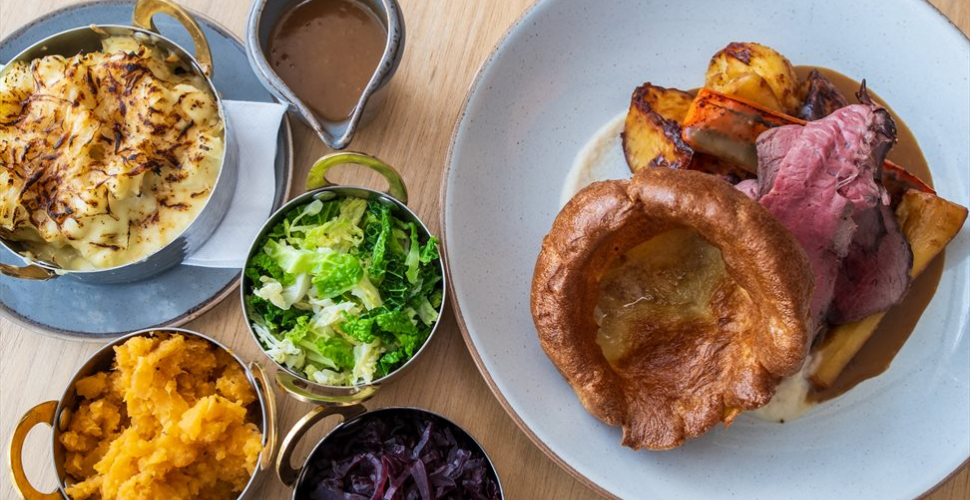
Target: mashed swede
pixel 168 421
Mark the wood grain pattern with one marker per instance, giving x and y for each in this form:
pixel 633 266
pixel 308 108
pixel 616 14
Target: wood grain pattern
pixel 447 42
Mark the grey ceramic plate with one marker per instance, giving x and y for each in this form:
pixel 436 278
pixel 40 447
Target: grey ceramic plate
pixel 567 68
pixel 69 308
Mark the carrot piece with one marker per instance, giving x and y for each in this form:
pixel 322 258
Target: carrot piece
pixel 727 127
pixel 897 180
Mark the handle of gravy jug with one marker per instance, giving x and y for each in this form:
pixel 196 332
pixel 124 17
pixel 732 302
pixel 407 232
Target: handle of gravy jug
pixel 40 414
pixel 284 465
pixel 143 17
pixel 317 178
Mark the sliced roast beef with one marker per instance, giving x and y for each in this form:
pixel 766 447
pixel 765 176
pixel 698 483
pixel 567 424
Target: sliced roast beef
pixel 876 272
pixel 773 145
pixel 822 97
pixel 820 180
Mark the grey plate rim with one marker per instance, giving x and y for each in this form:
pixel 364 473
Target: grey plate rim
pixel 285 154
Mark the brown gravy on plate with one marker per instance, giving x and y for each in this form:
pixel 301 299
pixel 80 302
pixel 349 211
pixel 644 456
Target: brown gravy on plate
pixel 327 51
pixel 895 328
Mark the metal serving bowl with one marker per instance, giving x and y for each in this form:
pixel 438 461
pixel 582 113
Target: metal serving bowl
pixel 264 16
pixel 57 414
pixel 353 417
pixel 88 39
pixel 322 189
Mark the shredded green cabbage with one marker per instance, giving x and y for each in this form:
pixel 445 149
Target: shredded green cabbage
pixel 343 292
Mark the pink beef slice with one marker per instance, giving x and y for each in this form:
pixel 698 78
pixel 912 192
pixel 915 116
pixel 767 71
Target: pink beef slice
pixel 876 272
pixel 773 146
pixel 821 181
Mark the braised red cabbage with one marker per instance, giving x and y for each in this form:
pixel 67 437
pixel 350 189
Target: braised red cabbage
pixel 399 457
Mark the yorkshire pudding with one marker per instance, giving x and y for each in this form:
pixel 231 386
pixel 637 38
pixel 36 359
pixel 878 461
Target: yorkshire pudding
pixel 671 302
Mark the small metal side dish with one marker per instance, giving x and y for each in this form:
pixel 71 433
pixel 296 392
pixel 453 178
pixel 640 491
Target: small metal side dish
pixel 322 189
pixel 352 418
pixel 264 16
pixel 89 38
pixel 57 414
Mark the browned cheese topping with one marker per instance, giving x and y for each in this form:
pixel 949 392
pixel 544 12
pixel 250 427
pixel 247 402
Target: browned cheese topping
pixel 106 156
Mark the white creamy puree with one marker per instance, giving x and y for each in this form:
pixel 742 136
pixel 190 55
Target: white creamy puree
pixel 602 158
pixel 790 401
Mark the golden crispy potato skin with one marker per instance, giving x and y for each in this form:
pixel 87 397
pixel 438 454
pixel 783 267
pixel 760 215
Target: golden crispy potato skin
pixel 652 135
pixel 681 382
pixel 929 223
pixel 757 73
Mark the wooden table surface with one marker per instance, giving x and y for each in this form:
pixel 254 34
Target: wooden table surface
pixel 446 43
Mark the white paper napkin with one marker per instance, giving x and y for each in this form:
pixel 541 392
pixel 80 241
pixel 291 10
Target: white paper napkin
pixel 255 126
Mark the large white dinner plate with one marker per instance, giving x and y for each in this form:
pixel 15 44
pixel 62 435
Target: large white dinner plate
pixel 565 69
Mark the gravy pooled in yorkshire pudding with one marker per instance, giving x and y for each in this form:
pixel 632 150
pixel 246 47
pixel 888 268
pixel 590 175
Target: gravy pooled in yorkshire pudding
pixel 670 303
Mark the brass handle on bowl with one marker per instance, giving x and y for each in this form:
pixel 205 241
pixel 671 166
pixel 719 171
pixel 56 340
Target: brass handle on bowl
pixel 265 390
pixel 291 384
pixel 40 414
pixel 27 272
pixel 317 178
pixel 284 465
pixel 145 11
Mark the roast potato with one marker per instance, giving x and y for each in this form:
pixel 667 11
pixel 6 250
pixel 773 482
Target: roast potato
pixel 928 222
pixel 822 97
pixel 651 135
pixel 757 73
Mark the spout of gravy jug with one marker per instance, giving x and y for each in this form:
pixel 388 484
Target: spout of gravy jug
pixel 265 15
